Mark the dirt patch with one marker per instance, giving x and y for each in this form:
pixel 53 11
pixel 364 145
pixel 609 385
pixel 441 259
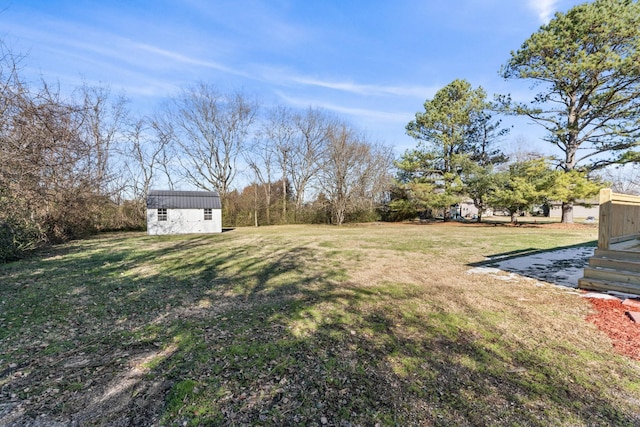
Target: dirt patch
pixel 611 318
pixel 112 389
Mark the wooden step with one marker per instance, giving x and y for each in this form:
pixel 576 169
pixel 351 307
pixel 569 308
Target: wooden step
pixel 620 255
pixel 606 285
pixel 612 275
pixel 615 264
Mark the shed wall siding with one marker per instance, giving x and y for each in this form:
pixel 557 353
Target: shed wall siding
pixel 184 221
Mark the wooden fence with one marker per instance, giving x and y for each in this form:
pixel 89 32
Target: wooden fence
pixel 619 218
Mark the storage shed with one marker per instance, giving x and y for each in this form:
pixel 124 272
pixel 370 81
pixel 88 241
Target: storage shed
pixel 183 212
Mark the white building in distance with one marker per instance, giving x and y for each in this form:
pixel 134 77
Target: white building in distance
pixel 183 212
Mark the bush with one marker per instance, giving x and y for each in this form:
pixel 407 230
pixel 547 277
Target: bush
pixel 17 238
pixel 362 216
pixel 399 210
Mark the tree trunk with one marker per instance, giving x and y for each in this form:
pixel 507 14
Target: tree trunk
pixel 284 199
pixel 255 205
pixel 267 196
pixel 570 159
pixel 481 206
pixel 514 217
pixel 567 213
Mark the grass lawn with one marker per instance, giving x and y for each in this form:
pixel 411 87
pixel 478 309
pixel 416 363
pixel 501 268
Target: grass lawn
pixel 304 325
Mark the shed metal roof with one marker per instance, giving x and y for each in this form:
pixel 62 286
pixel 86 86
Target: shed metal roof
pixel 183 199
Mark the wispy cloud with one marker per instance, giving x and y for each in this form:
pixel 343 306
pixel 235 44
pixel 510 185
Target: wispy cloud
pixel 184 59
pixel 364 89
pixel 359 113
pixel 544 8
pixel 285 77
pixel 104 55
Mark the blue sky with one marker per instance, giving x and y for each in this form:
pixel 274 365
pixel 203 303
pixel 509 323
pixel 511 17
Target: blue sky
pixel 373 62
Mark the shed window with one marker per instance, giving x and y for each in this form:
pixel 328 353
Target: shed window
pixel 208 214
pixel 162 214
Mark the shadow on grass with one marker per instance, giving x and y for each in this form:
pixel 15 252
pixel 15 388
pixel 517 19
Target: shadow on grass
pixel 201 330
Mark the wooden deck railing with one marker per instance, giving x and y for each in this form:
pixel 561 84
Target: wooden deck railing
pixel 619 218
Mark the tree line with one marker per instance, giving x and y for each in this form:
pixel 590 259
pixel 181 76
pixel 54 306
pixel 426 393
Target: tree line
pixel 71 165
pixel 585 65
pixel 457 158
pixel 292 159
pixel 74 165
pixel 56 171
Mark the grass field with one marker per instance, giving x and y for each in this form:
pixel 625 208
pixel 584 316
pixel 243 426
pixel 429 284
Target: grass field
pixel 304 325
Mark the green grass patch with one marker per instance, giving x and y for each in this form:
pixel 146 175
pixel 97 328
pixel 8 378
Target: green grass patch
pixel 296 324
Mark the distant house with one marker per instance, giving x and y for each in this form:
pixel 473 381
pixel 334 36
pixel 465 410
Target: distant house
pixel 183 212
pixel 581 209
pixel 467 209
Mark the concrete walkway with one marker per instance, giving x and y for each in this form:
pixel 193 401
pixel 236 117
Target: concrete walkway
pixel 561 267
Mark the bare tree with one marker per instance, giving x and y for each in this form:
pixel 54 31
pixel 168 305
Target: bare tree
pixel 279 130
pixel 148 144
pixel 47 164
pixel 354 172
pixel 260 158
pixel 55 159
pixel 624 179
pixel 521 150
pixel 144 159
pixel 210 130
pixel 307 154
pixel 101 126
pixel 163 134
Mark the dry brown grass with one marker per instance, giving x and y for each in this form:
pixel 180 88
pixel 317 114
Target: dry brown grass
pixel 297 325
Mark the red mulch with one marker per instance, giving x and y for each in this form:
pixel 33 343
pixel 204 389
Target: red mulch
pixel 612 319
